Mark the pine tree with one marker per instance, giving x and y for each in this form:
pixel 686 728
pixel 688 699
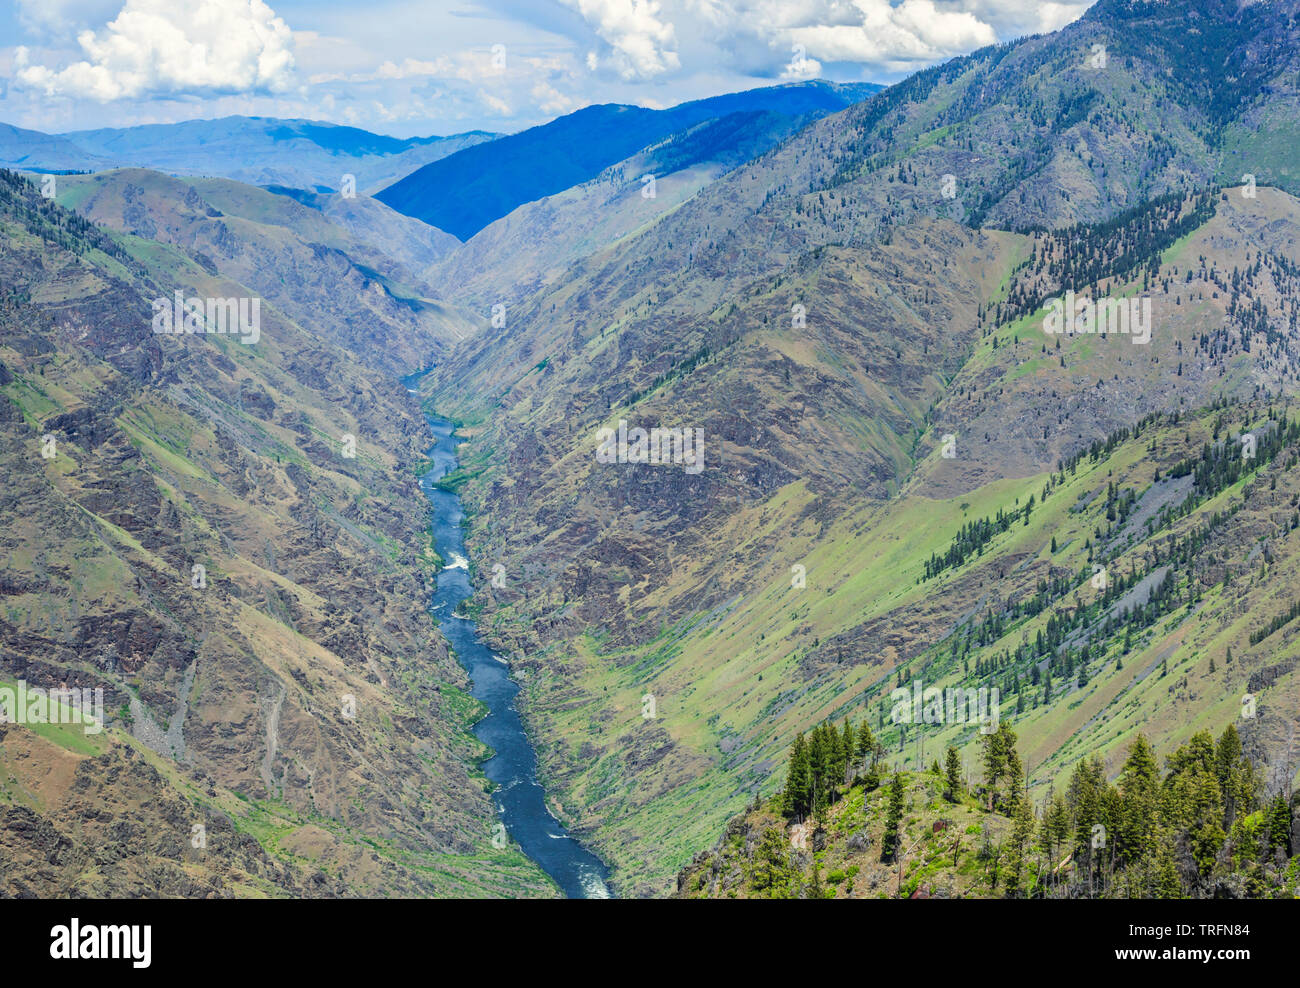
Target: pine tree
pixel 798 782
pixel 1015 781
pixel 1018 847
pixel 1195 799
pixel 1279 826
pixel 1139 784
pixel 866 745
pixel 1084 796
pixel 835 763
pixel 995 764
pixel 770 873
pixel 819 758
pixel 952 767
pixel 1000 759
pixel 893 817
pixel 1056 827
pixel 1235 774
pixel 849 746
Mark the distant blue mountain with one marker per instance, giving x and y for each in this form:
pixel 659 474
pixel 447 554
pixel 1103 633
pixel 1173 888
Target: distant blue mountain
pixel 30 150
pixel 464 192
pixel 154 139
pixel 258 150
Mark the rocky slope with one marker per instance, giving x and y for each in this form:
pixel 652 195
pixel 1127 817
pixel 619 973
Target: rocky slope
pixel 316 731
pixel 501 265
pixel 311 269
pixel 828 314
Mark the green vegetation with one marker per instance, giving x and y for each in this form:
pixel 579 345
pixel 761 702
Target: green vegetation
pixel 1202 826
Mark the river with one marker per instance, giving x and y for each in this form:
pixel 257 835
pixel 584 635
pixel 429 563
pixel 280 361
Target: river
pixel 521 801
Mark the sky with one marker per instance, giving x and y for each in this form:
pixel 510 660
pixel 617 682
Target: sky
pixel 421 67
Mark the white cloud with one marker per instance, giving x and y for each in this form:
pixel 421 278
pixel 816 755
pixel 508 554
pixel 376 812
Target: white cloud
pixel 1013 18
pixel 551 101
pixel 801 70
pixel 421 67
pixel 497 105
pixel 159 47
pixel 641 45
pixel 913 31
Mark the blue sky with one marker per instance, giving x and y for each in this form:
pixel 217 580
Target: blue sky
pixel 408 67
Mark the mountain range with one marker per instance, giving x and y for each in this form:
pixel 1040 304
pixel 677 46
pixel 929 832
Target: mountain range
pixel 464 194
pixel 305 154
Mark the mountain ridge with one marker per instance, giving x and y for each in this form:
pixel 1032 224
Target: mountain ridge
pixel 572 149
pixel 309 154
